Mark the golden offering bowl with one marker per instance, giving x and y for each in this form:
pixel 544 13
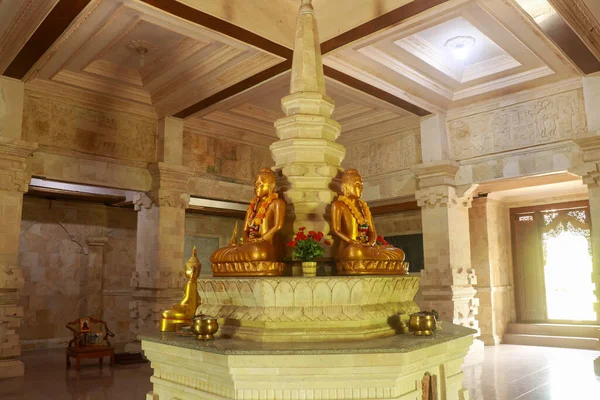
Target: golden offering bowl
pixel 204 327
pixel 423 323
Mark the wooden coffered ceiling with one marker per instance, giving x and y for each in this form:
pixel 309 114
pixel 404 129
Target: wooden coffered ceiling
pixel 223 64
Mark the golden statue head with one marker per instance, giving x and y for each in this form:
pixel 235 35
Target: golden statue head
pixel 264 183
pixel 192 266
pixel 352 185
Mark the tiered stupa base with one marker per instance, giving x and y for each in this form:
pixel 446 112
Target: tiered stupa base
pixel 385 368
pixel 290 309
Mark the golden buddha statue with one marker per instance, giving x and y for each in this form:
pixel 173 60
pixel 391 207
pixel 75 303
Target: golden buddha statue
pixel 358 252
pixel 261 248
pixel 182 313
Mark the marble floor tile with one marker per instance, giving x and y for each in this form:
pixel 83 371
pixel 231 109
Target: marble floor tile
pixel 511 372
pixel 506 372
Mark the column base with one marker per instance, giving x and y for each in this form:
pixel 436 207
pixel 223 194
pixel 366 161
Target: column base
pixel 11 368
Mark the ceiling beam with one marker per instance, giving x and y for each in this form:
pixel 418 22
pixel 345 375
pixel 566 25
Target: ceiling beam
pixel 557 29
pixel 53 26
pixel 226 28
pixel 387 20
pixel 374 91
pixel 236 89
pixel 581 20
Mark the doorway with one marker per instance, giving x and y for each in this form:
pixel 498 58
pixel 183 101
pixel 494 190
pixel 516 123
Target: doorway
pixel 553 263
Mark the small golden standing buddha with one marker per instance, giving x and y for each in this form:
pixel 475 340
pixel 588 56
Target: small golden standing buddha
pixel 358 252
pixel 182 313
pixel 261 250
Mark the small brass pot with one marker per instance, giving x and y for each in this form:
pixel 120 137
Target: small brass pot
pixel 204 327
pixel 423 323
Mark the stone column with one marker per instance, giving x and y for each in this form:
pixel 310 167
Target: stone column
pixel 95 277
pixel 589 170
pixel 14 181
pixel 306 152
pixel 160 276
pixel 447 280
pixel 492 262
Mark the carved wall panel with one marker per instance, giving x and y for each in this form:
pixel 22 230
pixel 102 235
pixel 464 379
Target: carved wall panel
pixel 223 157
pixel 550 119
pixel 77 128
pixel 386 154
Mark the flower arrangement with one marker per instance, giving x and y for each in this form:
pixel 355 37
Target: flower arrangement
pixel 381 241
pixel 307 246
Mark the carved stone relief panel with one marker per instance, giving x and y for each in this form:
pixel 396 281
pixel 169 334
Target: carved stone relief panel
pixel 81 129
pixel 386 154
pixel 224 158
pixel 550 119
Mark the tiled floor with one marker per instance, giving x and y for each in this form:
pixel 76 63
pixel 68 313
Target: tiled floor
pixel 510 372
pixel 46 378
pixel 505 372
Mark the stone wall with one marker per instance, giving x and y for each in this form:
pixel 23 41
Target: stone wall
pixel 224 158
pixel 207 233
pixel 60 125
pixel 541 121
pixel 405 223
pixel 62 280
pixel 382 155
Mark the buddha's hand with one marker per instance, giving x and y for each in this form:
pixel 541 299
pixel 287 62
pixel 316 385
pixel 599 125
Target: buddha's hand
pixel 257 240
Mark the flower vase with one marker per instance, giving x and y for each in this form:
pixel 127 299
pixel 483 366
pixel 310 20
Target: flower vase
pixel 309 268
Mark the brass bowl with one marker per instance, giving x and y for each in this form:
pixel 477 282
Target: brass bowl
pixel 422 323
pixel 204 327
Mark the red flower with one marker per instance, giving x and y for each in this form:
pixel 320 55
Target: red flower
pixel 327 242
pixel 302 228
pixel 301 236
pixel 382 241
pixel 292 243
pixel 312 234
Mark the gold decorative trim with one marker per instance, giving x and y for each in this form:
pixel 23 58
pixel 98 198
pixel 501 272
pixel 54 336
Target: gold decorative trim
pixel 248 268
pixel 372 267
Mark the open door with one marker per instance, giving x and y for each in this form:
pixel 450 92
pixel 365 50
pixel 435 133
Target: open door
pixel 529 267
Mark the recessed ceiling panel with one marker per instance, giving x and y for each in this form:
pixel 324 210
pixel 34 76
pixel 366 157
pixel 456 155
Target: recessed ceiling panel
pixel 459 50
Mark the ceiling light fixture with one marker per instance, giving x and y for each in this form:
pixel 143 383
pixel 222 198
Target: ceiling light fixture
pixel 141 47
pixel 460 46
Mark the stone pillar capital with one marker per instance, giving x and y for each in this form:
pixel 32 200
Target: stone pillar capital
pixel 442 195
pixel 589 168
pixel 436 173
pixel 13 167
pixel 170 176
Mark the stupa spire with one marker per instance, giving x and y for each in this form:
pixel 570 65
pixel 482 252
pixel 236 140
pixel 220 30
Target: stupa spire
pixel 306 153
pixel 307 64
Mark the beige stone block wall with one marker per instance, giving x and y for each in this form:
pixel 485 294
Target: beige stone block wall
pixel 405 223
pixel 198 227
pixel 391 153
pixel 224 158
pixel 522 123
pixel 62 281
pixel 55 123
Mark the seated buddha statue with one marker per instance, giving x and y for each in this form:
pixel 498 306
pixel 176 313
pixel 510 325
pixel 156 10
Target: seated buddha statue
pixel 261 251
pixel 182 313
pixel 358 252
